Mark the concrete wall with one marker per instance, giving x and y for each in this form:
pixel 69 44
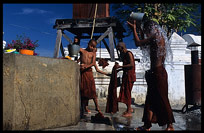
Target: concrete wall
pixel 39 92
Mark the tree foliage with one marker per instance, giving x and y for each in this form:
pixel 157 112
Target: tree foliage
pixel 176 17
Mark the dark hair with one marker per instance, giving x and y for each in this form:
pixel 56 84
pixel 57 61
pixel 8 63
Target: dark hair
pixel 121 44
pixel 78 42
pixel 92 40
pixel 147 25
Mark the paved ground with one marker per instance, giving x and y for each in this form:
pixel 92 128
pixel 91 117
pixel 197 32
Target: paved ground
pixel 188 121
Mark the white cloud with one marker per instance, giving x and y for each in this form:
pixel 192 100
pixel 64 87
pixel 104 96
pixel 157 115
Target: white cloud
pixel 26 11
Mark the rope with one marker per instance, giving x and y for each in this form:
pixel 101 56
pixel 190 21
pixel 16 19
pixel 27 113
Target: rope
pixel 94 21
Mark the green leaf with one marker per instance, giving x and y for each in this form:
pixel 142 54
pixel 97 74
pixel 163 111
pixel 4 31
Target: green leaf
pixel 154 19
pixel 171 17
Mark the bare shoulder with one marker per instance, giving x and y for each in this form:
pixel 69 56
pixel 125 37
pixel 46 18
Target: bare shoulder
pixel 83 51
pixel 130 53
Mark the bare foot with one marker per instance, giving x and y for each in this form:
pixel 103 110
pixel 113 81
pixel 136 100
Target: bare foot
pixel 170 128
pixel 87 111
pixel 131 111
pixel 142 128
pixel 127 115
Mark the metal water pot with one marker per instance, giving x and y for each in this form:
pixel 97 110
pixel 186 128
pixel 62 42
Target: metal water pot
pixel 137 16
pixel 73 50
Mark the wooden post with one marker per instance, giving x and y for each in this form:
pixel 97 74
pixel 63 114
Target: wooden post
pixel 62 50
pixel 110 37
pixel 58 43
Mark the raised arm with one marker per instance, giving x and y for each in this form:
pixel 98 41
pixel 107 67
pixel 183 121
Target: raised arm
pixel 139 42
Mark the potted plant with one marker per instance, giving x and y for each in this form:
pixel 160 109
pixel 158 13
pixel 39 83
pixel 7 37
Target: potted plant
pixel 24 45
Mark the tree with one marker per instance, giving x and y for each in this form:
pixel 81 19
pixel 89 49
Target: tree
pixel 176 17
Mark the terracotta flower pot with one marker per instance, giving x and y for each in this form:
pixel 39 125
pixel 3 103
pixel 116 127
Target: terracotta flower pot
pixel 26 52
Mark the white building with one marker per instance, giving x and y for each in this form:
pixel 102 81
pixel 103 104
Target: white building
pixel 176 77
pixel 4 43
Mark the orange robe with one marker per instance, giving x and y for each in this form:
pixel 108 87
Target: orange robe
pixel 88 88
pixel 157 97
pixel 112 103
pixel 128 79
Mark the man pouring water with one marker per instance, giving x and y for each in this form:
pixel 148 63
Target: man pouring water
pixel 157 107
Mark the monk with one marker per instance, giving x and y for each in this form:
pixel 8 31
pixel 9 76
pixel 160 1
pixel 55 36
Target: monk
pixel 88 89
pixel 157 108
pixel 128 78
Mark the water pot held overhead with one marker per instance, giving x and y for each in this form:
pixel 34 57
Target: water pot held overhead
pixel 137 16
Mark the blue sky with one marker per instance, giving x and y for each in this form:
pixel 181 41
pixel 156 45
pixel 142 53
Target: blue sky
pixel 36 21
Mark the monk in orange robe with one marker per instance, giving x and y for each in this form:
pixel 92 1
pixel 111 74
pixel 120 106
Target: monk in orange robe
pixel 87 87
pixel 157 107
pixel 128 78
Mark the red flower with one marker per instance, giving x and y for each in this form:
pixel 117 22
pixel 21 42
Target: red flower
pixel 22 42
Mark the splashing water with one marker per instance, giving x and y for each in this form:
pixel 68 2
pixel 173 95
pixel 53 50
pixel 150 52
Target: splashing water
pixel 145 61
pixel 167 51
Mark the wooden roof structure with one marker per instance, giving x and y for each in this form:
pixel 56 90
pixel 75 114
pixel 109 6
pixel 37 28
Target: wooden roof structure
pixel 80 26
pixel 84 26
pixel 110 27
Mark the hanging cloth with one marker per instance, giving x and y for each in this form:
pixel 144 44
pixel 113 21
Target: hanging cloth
pixel 112 103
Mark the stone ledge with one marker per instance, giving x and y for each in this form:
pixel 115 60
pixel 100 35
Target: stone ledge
pixel 39 92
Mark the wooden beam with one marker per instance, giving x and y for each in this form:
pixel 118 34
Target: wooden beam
pixel 106 45
pixel 67 38
pixel 103 36
pixel 58 43
pixel 110 37
pixel 88 37
pixel 67 26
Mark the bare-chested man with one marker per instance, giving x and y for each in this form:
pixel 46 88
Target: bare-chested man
pixel 88 89
pixel 157 108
